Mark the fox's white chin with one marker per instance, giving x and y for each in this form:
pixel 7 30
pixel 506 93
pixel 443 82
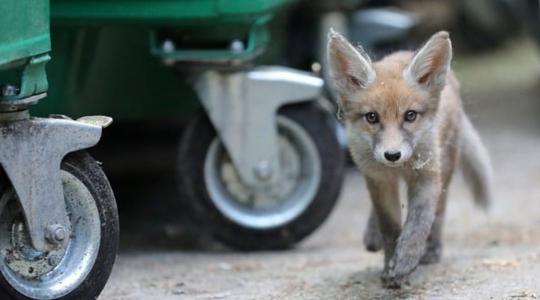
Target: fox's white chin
pixel 392 164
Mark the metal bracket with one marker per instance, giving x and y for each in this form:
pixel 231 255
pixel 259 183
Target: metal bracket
pixel 33 79
pixel 31 153
pixel 236 54
pixel 242 106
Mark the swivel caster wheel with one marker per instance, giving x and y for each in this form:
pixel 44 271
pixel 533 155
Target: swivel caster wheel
pixel 278 217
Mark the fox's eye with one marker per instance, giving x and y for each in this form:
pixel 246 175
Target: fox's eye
pixel 410 115
pixel 372 117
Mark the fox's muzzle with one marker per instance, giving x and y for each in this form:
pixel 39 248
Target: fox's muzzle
pixel 391 148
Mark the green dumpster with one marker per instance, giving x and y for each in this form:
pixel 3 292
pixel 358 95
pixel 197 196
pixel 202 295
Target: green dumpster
pixel 24 44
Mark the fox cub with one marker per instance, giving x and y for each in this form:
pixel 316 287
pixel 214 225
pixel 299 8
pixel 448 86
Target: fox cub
pixel 405 120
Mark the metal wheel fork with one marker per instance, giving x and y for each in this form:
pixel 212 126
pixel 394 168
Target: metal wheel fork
pixel 31 151
pixel 242 106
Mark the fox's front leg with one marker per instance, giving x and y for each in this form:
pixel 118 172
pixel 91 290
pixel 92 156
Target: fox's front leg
pixel 373 239
pixel 384 194
pixel 423 195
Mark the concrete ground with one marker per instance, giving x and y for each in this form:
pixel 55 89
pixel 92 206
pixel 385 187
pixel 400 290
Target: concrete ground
pixel 494 255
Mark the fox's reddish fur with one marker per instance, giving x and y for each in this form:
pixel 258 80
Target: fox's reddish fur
pixel 428 144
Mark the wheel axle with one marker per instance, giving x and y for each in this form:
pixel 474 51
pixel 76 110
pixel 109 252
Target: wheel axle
pixel 55 233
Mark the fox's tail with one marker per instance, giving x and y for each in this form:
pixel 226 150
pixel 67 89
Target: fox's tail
pixel 475 164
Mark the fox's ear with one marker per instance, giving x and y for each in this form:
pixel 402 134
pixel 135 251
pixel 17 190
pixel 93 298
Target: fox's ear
pixel 431 63
pixel 350 67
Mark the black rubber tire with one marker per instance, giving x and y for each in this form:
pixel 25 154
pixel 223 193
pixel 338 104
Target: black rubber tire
pixel 194 146
pixel 86 169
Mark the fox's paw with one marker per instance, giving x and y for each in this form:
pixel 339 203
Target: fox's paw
pixel 397 270
pixel 373 239
pixel 390 281
pixel 432 255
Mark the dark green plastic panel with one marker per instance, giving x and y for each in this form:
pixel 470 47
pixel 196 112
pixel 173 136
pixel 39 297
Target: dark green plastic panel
pixel 162 12
pixel 24 29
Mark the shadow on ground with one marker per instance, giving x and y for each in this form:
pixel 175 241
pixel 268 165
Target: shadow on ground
pixel 140 161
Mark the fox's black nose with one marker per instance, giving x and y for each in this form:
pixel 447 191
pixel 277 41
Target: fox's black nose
pixel 392 156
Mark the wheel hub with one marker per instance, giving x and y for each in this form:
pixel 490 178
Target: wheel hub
pixel 23 259
pixel 55 273
pixel 268 195
pixel 276 202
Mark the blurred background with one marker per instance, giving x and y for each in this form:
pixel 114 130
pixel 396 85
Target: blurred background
pixel 177 242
